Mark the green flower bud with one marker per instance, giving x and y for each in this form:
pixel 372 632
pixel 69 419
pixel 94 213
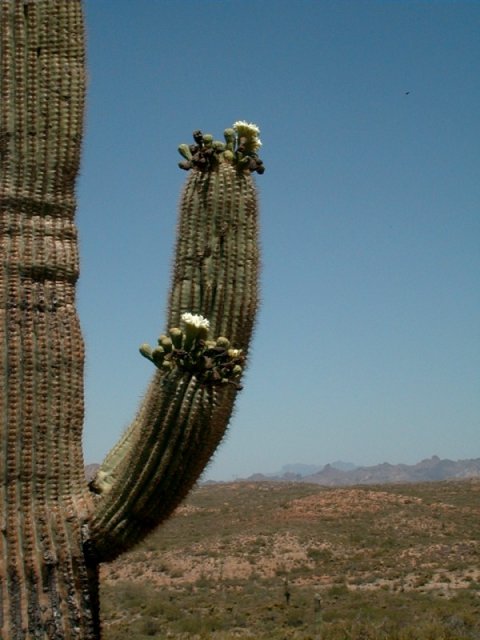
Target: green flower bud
pixel 223 343
pixel 184 150
pixel 158 355
pixel 177 337
pixel 165 342
pixel 208 139
pixel 230 139
pixel 146 350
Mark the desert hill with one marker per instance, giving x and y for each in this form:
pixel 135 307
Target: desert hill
pixel 291 560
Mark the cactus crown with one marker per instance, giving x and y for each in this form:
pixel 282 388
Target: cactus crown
pixel 239 149
pixel 212 362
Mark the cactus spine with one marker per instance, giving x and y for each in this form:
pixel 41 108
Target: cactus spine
pixel 55 530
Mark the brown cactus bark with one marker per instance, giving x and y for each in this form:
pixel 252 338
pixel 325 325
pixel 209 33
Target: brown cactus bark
pixel 46 588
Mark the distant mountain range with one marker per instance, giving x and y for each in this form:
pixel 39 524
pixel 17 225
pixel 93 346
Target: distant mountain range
pixel 340 474
pixel 343 474
pixel 309 469
pixel 91 470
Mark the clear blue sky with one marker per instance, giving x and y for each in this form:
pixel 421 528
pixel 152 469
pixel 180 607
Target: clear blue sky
pixel 367 347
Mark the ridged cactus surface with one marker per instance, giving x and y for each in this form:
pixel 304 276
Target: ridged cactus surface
pixel 55 530
pixel 46 589
pixel 214 297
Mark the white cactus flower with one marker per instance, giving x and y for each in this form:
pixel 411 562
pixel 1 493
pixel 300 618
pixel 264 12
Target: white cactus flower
pixel 195 320
pixel 250 131
pixel 247 127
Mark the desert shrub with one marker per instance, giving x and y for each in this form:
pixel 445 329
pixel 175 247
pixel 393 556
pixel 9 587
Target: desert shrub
pixel 319 555
pixel 149 626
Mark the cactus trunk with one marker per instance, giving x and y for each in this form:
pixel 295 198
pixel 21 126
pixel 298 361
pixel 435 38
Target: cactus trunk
pixel 46 588
pixel 55 530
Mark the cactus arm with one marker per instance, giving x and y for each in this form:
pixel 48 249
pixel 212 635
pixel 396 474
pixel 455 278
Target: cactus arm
pixel 185 414
pixel 47 589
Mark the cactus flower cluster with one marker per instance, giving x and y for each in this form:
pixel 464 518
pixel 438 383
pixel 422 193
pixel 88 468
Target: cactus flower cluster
pixel 211 361
pixel 240 149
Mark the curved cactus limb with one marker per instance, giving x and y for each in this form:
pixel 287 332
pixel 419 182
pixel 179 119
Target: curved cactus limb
pixel 188 406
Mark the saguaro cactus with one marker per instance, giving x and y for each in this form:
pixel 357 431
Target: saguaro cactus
pixel 56 530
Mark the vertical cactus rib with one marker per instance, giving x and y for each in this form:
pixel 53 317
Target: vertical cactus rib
pixel 47 588
pixel 216 277
pixel 190 400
